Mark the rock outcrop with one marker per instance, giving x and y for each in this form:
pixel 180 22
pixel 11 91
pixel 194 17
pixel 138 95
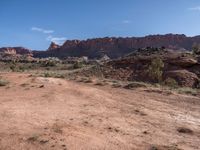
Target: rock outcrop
pixel 182 67
pixel 184 78
pixel 53 46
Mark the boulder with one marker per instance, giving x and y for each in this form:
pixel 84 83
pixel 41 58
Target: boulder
pixel 183 77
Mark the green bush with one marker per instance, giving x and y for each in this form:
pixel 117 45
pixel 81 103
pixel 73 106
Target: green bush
pixel 155 70
pixel 171 83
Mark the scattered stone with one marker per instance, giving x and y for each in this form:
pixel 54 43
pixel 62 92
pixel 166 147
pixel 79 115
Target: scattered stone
pixel 135 85
pixel 145 132
pixel 185 130
pixel 41 86
pixel 33 138
pixel 44 141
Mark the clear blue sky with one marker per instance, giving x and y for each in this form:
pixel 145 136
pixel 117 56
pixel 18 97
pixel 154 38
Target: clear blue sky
pixel 35 23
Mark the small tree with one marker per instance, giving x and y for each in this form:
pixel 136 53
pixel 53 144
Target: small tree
pixel 155 70
pixel 196 49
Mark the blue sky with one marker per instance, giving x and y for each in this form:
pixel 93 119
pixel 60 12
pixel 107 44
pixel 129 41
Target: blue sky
pixel 35 23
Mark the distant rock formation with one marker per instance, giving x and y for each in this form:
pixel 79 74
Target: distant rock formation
pixel 117 47
pixel 16 50
pixel 112 47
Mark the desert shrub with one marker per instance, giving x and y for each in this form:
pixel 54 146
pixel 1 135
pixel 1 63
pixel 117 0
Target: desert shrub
pixel 49 63
pixel 77 65
pixel 47 74
pixel 155 70
pixel 187 90
pixel 22 68
pixel 171 83
pixel 198 86
pixel 53 75
pixel 196 49
pixel 13 67
pixel 3 82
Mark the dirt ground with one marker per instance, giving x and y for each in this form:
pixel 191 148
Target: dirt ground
pixel 39 113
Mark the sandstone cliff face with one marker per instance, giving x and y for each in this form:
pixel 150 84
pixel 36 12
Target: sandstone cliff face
pixel 117 47
pixel 112 47
pixel 15 50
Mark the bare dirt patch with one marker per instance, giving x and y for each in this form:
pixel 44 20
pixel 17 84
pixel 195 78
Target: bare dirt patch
pixel 59 114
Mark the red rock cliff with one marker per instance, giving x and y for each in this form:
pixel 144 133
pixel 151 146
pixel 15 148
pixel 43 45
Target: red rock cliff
pixel 116 47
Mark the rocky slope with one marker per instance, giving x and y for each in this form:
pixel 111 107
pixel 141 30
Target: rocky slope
pixel 183 67
pixel 117 47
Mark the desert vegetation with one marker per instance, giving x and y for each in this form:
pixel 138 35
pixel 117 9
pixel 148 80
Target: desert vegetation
pixel 196 49
pixel 155 70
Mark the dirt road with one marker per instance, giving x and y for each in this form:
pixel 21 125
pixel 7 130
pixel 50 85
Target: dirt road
pixel 45 113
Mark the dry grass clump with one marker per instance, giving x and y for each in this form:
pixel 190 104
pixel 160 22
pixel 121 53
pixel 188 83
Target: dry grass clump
pixel 187 90
pixel 3 82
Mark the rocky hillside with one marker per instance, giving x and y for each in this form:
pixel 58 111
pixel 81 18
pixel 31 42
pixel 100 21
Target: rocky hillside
pixel 182 67
pixel 117 47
